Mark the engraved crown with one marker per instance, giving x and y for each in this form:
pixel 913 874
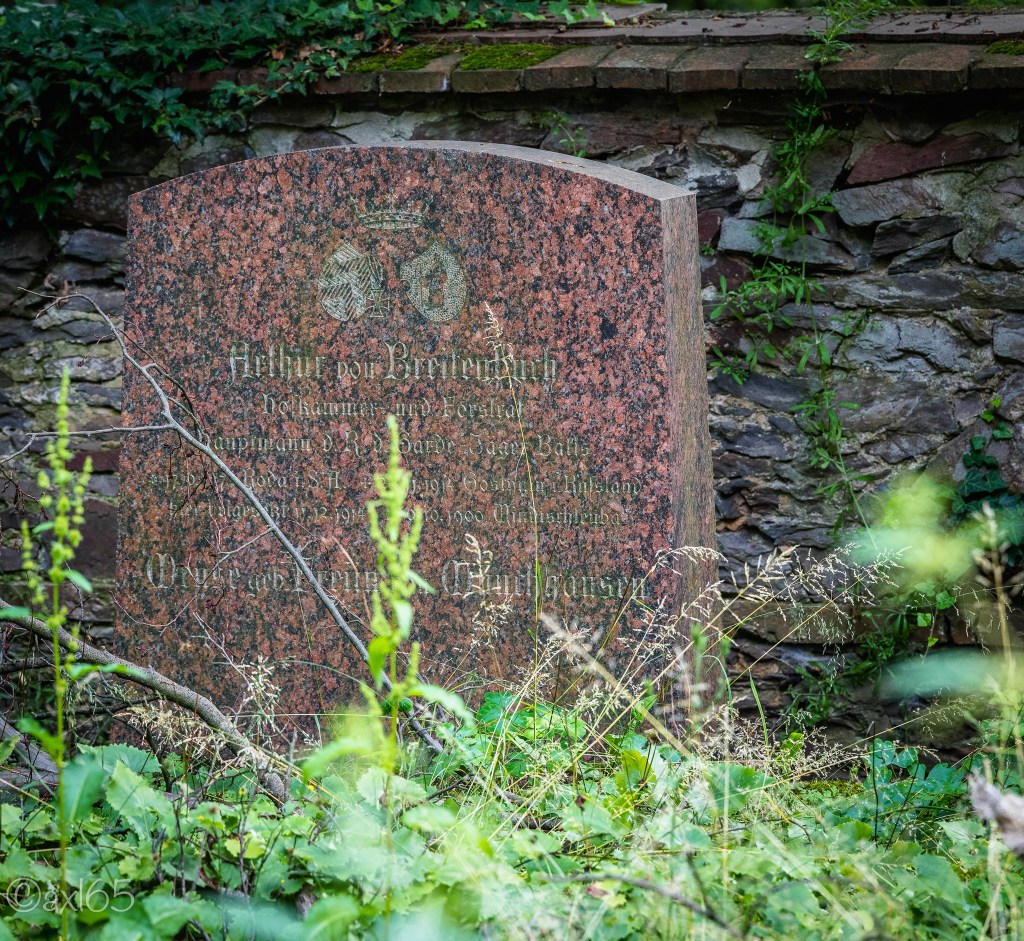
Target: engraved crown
pixel 390 218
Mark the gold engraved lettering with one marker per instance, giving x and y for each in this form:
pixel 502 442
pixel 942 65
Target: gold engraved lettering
pixel 303 407
pixel 275 361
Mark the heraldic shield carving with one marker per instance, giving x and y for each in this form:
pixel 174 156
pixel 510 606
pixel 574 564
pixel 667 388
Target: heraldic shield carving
pixel 353 283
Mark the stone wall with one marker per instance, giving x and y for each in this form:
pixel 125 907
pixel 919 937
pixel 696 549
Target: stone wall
pixel 923 253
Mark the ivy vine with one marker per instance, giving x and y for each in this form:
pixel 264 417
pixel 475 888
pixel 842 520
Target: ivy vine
pixel 79 77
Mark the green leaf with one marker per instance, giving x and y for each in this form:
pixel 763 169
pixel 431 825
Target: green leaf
pixel 168 914
pixel 79 580
pixel 452 702
pixel 51 744
pixel 732 785
pixel 14 613
pixel 83 782
pixel 429 818
pixel 134 759
pixel 421 583
pixel 379 650
pixel 138 804
pixel 330 918
pixel 939 878
pixel 403 616
pixel 7 747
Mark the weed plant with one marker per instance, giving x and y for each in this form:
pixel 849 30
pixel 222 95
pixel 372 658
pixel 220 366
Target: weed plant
pixel 604 818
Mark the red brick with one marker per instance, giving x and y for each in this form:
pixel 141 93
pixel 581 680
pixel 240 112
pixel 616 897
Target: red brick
pixel 482 81
pixel 639 67
pixel 933 68
pixel 435 76
pixel 994 72
pixel 348 83
pixel 775 68
pixel 571 69
pixel 863 68
pixel 711 68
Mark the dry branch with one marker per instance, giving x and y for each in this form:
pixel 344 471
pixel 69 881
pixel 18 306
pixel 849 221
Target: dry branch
pixel 267 766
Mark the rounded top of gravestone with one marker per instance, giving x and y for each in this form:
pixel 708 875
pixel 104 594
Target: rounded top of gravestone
pixel 503 153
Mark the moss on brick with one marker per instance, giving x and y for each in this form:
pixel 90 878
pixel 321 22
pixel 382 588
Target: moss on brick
pixel 407 61
pixel 1008 47
pixel 508 56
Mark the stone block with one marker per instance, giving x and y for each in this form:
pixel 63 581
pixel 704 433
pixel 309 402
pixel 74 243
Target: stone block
pixel 486 81
pixel 530 319
pixel 347 83
pixel 573 68
pixel 638 67
pixel 207 159
pixel 95 557
pixel 612 132
pixel 1008 338
pixel 993 72
pixel 866 205
pixel 889 160
pixel 434 77
pixel 301 113
pixel 24 251
pixel 899 235
pixel 311 140
pixel 932 69
pixel 105 202
pixel 94 245
pixel 709 68
pixel 865 68
pixel 740 235
pixel 775 68
pixel 920 257
pixel 1004 249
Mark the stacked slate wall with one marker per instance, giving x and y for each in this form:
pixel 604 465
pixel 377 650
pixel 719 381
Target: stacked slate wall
pixel 923 254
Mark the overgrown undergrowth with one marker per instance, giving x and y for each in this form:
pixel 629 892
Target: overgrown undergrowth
pixel 600 819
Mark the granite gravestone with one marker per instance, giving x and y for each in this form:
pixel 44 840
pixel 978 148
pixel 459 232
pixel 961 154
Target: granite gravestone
pixel 530 319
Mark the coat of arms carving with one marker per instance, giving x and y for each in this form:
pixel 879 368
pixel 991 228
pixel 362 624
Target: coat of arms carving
pixel 353 282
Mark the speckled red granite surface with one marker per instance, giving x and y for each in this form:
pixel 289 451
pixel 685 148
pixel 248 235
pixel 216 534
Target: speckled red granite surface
pixel 290 300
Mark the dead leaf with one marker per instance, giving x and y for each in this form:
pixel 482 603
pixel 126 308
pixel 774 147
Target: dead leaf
pixel 1005 809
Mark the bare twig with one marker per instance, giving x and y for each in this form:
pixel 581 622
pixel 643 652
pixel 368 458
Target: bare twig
pixel 38 768
pixel 31 439
pixel 17 666
pixel 190 438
